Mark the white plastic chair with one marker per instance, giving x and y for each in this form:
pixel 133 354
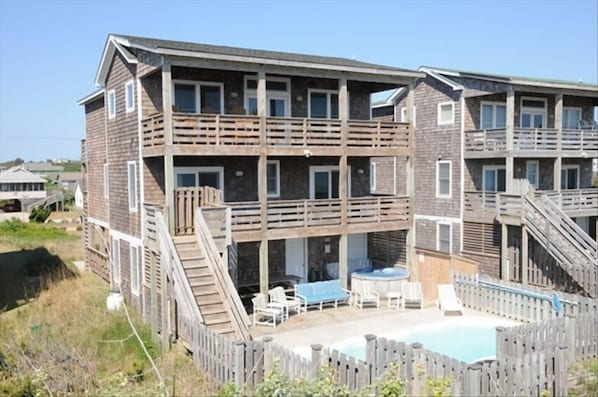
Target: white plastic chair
pixel 365 295
pixel 447 299
pixel 412 294
pixel 277 295
pixel 265 314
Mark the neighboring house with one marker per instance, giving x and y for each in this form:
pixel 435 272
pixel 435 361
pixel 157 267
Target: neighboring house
pixel 68 180
pixel 282 144
pixel 21 188
pixel 78 197
pixel 477 135
pixel 44 169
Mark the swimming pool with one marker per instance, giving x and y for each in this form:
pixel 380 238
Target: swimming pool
pixel 468 340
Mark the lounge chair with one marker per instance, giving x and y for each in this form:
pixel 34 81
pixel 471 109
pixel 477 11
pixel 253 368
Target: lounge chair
pixel 277 295
pixel 412 294
pixel 365 295
pixel 447 299
pixel 266 314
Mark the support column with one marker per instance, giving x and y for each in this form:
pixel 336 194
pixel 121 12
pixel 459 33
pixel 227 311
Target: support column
pixel 264 272
pixel 558 124
pixel 556 180
pixel 262 186
pixel 510 131
pixel 343 176
pixel 509 174
pixel 524 254
pixel 504 253
pixel 168 157
pixel 410 188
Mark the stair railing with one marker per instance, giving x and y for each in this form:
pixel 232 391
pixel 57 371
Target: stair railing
pixel 224 283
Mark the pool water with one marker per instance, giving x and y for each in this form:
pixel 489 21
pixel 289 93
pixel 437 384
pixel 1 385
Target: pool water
pixel 466 342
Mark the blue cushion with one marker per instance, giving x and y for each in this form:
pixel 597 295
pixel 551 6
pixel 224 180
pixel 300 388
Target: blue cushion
pixel 305 289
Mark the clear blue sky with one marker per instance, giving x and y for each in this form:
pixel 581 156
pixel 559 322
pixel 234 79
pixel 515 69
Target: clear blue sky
pixel 50 50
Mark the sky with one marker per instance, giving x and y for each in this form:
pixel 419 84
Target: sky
pixel 50 50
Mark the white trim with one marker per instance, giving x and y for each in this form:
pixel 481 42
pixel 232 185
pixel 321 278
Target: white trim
pixel 132 196
pixel 115 268
pixel 495 168
pixel 277 164
pixel 450 226
pixel 111 101
pixel 91 97
pixel 270 94
pixel 372 177
pixel 140 157
pixel 494 104
pixel 318 168
pixel 197 85
pixel 450 193
pixel 328 102
pixel 404 116
pixel 131 97
pixel 537 181
pixel 126 237
pixel 437 74
pixel 106 180
pixel 98 222
pixel 452 120
pixel 196 171
pixel 138 265
pixel 544 111
pixel 434 218
pixel 567 167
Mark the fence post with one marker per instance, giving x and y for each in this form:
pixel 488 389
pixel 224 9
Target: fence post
pixel 472 379
pixel 239 362
pixel 417 370
pixel 571 330
pixel 561 365
pixel 500 343
pixel 370 357
pixel 316 360
pixel 267 353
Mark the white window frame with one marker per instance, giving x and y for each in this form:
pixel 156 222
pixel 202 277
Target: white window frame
pixel 494 106
pixel 198 85
pixel 132 180
pixel 372 177
pixel 450 226
pixel 270 94
pixel 571 166
pixel 275 194
pixel 111 104
pixel 318 168
pixel 135 284
pixel 572 108
pixel 440 106
pixel 197 170
pixel 328 102
pixel 404 115
pixel 544 111
pixel 450 193
pixel 129 97
pixel 106 181
pixel 495 168
pixel 115 261
pixel 535 183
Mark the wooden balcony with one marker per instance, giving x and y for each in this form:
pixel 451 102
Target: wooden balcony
pixel 209 134
pixel 576 202
pixel 479 206
pixel 536 142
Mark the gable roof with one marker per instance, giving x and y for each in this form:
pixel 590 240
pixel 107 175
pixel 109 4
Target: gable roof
pixel 123 43
pixel 19 175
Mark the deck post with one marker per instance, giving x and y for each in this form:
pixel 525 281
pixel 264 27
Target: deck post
pixel 472 379
pixel 556 183
pixel 524 254
pixel 504 253
pixel 262 187
pixel 510 131
pixel 168 141
pixel 343 254
pixel 561 364
pixel 410 188
pixel 264 282
pixel 500 345
pixel 239 364
pixel 417 362
pixel 570 329
pixel 316 360
pixel 267 353
pixel 370 357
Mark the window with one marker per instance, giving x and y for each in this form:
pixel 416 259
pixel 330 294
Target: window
pixel 443 237
pixel 494 178
pixel 570 177
pixel 531 172
pixel 372 177
pixel 533 113
pixel 443 178
pixel 116 260
pixel 198 97
pixel 129 96
pixel 135 257
pixel 404 116
pixel 132 185
pixel 323 104
pixel 278 96
pixel 571 118
pixel 98 240
pixel 324 182
pixel 106 186
pixel 493 115
pixel 446 113
pixel 200 176
pixel 273 178
pixel 111 104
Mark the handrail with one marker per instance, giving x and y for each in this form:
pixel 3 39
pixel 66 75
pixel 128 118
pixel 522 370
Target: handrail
pixel 183 292
pixel 224 284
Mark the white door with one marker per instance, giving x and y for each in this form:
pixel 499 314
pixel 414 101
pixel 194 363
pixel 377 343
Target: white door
pixel 584 223
pixel 357 252
pixel 295 257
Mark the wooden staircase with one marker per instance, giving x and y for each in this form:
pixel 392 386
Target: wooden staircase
pixel 203 284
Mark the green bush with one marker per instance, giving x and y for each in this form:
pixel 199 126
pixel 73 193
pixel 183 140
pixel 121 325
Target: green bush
pixel 40 213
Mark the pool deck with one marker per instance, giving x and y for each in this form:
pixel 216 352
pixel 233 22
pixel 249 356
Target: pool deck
pixel 330 326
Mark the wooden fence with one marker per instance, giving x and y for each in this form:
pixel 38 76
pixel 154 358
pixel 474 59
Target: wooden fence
pixel 187 199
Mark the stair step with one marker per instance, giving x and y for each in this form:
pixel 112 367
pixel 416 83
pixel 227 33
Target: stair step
pixel 190 254
pixel 213 309
pixel 200 281
pixel 209 299
pixel 188 238
pixel 203 290
pixel 198 271
pixel 216 319
pixel 223 329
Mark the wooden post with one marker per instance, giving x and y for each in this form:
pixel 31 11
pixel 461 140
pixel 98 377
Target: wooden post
pixel 524 254
pixel 370 357
pixel 267 353
pixel 410 188
pixel 153 297
pixel 561 369
pixel 316 360
pixel 558 120
pixel 264 272
pixel 343 254
pixel 504 253
pixel 556 183
pixel 239 364
pixel 168 139
pixel 500 343
pixel 571 332
pixel 417 370
pixel 472 380
pixel 510 132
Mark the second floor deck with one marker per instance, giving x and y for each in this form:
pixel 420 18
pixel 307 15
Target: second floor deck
pixel 225 134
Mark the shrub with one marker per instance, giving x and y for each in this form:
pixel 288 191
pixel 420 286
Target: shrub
pixel 40 213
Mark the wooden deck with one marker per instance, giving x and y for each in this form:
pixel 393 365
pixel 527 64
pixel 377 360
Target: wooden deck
pixel 209 134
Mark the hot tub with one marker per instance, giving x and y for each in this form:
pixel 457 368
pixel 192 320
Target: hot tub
pixel 382 281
